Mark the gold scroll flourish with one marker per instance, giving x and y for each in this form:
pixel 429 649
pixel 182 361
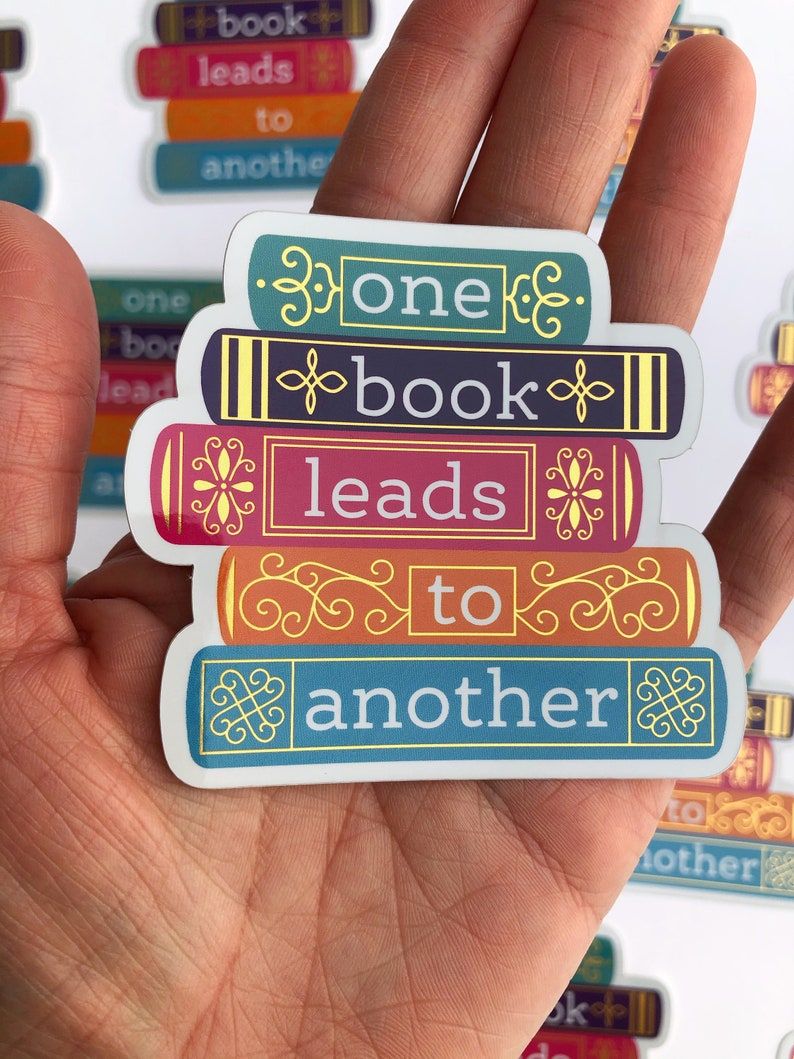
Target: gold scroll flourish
pixel 315 594
pixel 575 495
pixel 223 486
pixel 547 272
pixel 325 286
pixel 247 706
pixel 757 816
pixel 671 702
pixel 610 595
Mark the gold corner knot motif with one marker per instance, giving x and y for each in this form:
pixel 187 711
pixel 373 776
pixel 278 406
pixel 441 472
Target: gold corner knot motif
pixel 247 706
pixel 564 390
pixel 316 288
pixel 330 382
pixel 224 486
pixel 575 495
pixel 671 702
pixel 779 871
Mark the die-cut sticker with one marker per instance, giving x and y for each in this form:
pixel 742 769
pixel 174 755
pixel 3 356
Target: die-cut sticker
pixel 761 869
pixel 184 23
pixel 766 378
pixel 441 596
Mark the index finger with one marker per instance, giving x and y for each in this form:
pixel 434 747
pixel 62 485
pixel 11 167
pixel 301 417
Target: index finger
pixel 412 137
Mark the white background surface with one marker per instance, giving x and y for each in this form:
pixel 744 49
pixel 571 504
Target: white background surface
pixel 727 963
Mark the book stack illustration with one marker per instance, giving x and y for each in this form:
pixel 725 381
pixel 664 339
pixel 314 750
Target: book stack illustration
pixel 733 833
pixel 681 29
pixel 258 91
pixel 141 322
pixel 767 377
pixel 21 179
pixel 416 470
pixel 599 1016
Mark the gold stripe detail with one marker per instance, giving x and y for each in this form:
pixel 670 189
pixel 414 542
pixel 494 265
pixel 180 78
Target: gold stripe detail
pixel 225 376
pixel 165 486
pixel 645 397
pixel 778 716
pixel 181 477
pixel 629 492
pixel 627 392
pixel 785 344
pixel 229 596
pixel 691 599
pixel 245 396
pixel 663 396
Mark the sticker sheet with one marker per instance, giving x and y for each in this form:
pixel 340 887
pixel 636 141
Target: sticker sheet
pixel 416 470
pixel 767 376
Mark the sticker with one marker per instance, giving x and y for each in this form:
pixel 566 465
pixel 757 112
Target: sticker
pixel 103 482
pixel 767 817
pixel 215 487
pixel 679 32
pixel 598 965
pixel 737 867
pixel 111 434
pixel 129 388
pixel 22 184
pixel 366 597
pixel 786 1049
pixel 770 714
pixel 766 377
pixel 243 165
pixel 245 70
pixel 610 192
pixel 15 143
pixel 401 571
pixel 362 289
pixel 140 344
pixel 12 49
pixel 373 709
pixel 178 23
pixel 149 301
pixel 751 771
pixel 273 118
pixel 554 1045
pixel 254 379
pixel 621 1011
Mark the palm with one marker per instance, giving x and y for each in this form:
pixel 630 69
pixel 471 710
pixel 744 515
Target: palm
pixel 139 917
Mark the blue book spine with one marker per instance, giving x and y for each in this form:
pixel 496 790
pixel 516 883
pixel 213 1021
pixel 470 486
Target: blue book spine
pixel 22 184
pixel 243 165
pixel 103 482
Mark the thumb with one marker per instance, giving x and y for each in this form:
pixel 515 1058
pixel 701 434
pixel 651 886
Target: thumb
pixel 49 363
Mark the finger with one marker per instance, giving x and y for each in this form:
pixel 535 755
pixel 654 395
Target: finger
pixel 128 574
pixel 666 227
pixel 49 363
pixel 563 112
pixel 752 535
pixel 413 134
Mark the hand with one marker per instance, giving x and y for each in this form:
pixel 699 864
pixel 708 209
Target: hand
pixel 141 918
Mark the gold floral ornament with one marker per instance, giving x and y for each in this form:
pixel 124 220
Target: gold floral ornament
pixel 776 387
pixel 223 508
pixel 317 282
pixel 325 17
pixel 575 500
pixel 312 595
pixel 247 706
pixel 630 601
pixel 609 1009
pixel 330 382
pixel 672 702
pixel 547 272
pixel 582 390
